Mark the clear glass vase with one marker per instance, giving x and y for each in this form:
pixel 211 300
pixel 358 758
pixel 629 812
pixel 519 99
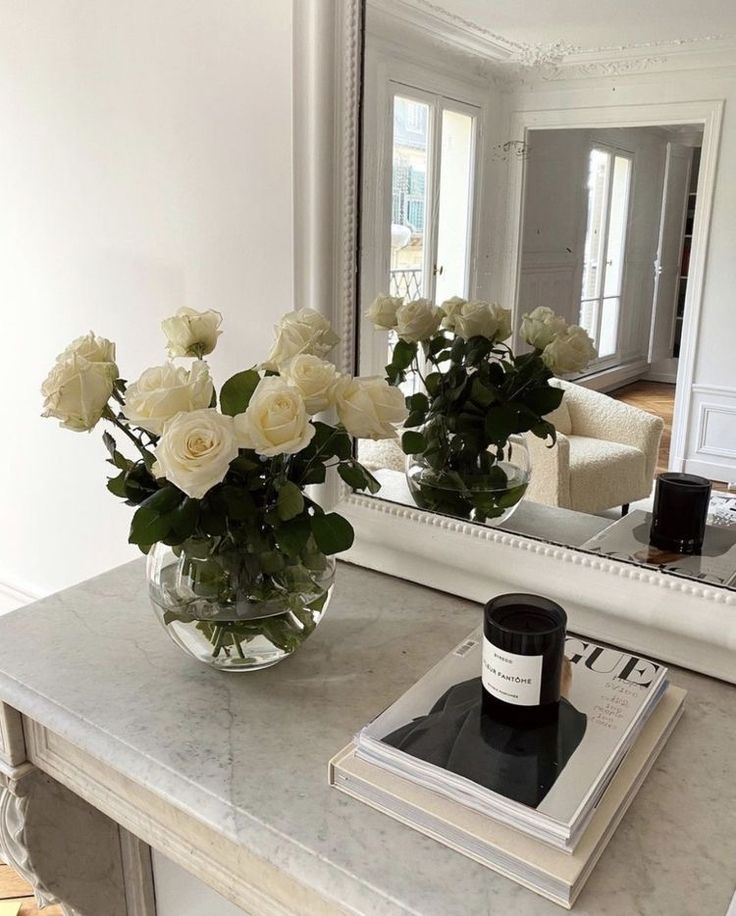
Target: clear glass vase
pixel 233 609
pixel 488 491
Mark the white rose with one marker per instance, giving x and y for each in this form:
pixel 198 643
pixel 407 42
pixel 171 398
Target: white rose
pixel 92 348
pixel 450 307
pixel 164 391
pixel 76 391
pixel 482 319
pixel 195 450
pixel 314 378
pixel 569 352
pixel 275 421
pixel 303 331
pixel 192 333
pixel 417 320
pixel 369 408
pixel 541 326
pixel 382 311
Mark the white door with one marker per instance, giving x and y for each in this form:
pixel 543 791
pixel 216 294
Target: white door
pixel 667 264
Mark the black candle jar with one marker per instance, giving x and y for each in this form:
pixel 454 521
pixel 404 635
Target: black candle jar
pixel 523 653
pixel 680 511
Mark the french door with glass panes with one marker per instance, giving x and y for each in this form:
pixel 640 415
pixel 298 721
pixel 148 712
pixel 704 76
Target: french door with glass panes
pixel 429 218
pixel 609 186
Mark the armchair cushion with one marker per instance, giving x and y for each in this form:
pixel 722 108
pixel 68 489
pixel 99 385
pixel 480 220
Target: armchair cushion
pixel 605 474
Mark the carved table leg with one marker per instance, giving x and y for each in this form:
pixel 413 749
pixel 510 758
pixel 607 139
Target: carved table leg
pixel 69 852
pixel 13 809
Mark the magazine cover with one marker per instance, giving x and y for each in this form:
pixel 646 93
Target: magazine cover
pixel 628 539
pixel 437 735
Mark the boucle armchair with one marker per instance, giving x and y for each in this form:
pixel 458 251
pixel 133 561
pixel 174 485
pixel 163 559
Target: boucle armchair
pixel 605 455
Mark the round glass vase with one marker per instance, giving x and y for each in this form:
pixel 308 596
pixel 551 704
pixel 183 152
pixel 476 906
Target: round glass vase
pixel 489 494
pixel 225 610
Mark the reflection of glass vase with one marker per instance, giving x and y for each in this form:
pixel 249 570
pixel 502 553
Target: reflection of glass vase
pixel 225 609
pixel 489 490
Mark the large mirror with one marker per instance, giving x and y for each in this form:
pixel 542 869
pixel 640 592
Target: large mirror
pixel 513 178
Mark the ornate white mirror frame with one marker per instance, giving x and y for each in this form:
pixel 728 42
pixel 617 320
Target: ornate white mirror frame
pixel 669 617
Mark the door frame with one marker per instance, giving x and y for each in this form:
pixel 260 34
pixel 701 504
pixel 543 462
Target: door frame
pixel 709 114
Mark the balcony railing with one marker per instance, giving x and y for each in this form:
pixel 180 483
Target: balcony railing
pixel 406 283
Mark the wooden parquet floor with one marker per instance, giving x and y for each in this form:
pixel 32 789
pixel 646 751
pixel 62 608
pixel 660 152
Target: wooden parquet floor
pixel 16 897
pixel 657 398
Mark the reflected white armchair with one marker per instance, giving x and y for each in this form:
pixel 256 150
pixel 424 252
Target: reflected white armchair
pixel 605 455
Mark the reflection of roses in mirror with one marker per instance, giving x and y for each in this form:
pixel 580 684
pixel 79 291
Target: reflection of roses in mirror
pixel 369 408
pixel 471 396
pixel 569 352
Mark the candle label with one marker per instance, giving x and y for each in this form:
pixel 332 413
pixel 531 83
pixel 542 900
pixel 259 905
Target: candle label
pixel 512 678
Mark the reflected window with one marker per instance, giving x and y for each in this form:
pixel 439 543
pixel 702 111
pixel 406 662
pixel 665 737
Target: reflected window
pixel 432 189
pixel 609 185
pixel 409 187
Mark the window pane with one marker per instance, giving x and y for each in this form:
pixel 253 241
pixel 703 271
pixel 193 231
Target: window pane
pixel 617 227
pixel 409 196
pixel 453 231
pixel 598 177
pixel 609 327
pixel 589 316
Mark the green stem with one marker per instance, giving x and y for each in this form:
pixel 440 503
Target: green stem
pixel 109 415
pixel 319 454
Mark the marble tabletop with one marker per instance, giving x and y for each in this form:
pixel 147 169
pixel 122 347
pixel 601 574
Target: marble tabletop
pixel 247 753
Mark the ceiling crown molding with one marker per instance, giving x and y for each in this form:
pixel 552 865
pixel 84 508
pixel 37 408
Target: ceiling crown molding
pixel 559 59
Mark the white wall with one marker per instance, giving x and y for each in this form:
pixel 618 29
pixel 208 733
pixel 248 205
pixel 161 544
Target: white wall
pixel 145 164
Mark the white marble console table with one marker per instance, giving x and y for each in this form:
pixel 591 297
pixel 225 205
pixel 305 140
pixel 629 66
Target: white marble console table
pixel 112 741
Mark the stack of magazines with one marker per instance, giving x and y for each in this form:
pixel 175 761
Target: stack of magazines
pixel 536 804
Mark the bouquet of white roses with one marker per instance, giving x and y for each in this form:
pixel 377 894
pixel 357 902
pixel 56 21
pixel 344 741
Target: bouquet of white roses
pixel 220 479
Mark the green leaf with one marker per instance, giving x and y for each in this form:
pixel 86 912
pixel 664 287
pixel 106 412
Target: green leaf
pixel 342 446
pixel 541 430
pixel 414 419
pixel 357 477
pixel 433 383
pixel 147 527
pixel 292 536
pixel 239 503
pixel 290 501
pixel 437 344
pixel 116 485
pixel 403 355
pixel 316 474
pixel 332 532
pixel 237 392
pixel 243 464
pixel 163 500
pixel 183 519
pixel 418 402
pixel 481 393
pixel 109 443
pixel 543 400
pixel 413 443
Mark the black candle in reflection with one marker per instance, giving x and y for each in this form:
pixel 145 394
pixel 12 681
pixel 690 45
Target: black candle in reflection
pixel 680 512
pixel 523 652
